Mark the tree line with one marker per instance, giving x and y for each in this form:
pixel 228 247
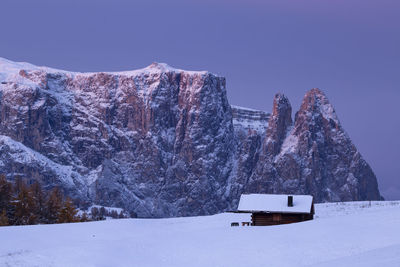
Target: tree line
pixel 23 204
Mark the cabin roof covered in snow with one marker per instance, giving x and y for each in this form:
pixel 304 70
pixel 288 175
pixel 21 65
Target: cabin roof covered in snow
pixel 274 203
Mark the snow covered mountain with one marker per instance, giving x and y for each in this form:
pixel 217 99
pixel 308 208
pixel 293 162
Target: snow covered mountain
pixel 165 142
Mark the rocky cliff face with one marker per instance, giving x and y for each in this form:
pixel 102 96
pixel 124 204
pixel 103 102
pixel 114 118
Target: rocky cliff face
pixel 165 142
pixel 313 155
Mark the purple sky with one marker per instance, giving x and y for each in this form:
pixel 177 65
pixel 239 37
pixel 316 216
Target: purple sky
pixel 348 48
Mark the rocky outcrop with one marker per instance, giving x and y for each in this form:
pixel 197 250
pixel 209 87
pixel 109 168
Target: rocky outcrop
pixel 319 158
pixel 313 155
pixel 279 124
pixel 165 142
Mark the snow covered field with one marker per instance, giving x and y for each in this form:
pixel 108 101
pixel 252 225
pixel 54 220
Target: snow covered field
pixel 343 234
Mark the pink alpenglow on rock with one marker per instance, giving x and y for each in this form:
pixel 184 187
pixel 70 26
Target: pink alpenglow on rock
pixel 165 142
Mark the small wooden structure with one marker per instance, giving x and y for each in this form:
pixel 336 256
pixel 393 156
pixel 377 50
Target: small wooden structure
pixel 268 209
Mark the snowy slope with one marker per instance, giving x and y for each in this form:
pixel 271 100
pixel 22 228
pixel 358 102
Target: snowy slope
pixel 343 234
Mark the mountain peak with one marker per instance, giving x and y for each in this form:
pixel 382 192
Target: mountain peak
pixel 278 124
pixel 315 91
pixel 315 101
pixel 281 105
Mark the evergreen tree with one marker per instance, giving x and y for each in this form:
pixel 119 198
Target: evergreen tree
pixel 24 205
pixel 121 214
pixel 67 213
pixel 95 214
pixel 40 201
pixel 84 217
pixel 21 204
pixel 53 205
pixel 19 184
pixel 103 212
pixel 4 218
pixel 114 214
pixel 5 193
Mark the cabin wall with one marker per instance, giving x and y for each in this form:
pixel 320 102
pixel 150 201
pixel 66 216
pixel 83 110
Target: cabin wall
pixel 261 219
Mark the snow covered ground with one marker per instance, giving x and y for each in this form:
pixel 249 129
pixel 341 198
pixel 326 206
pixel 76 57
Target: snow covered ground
pixel 343 234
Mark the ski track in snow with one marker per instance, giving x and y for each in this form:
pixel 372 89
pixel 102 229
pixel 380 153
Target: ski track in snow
pixel 342 234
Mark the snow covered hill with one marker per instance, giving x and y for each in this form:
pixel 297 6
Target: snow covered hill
pixel 343 234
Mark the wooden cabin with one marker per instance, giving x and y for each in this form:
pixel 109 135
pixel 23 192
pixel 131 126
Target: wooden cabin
pixel 269 209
